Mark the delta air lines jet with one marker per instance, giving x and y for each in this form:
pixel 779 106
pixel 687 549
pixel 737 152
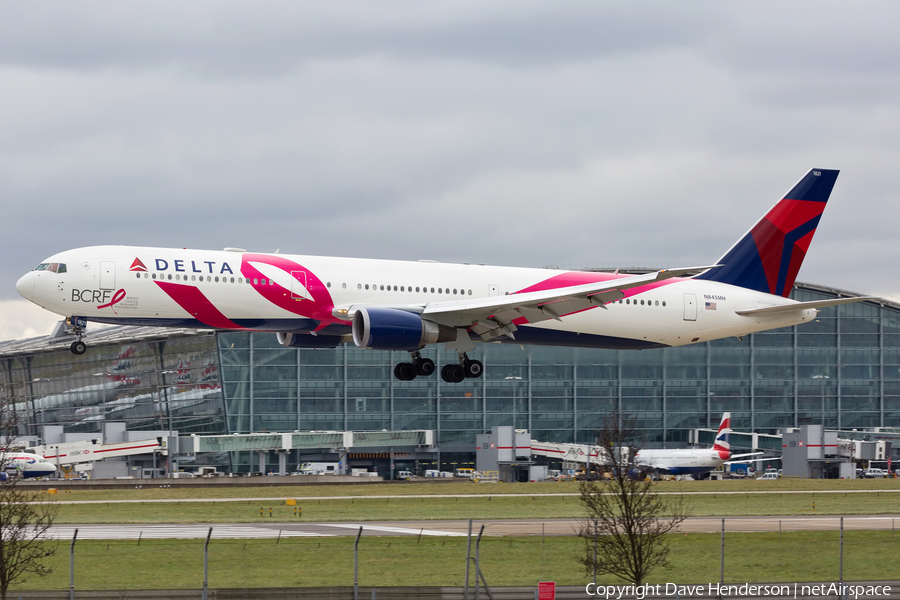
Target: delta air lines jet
pixel 320 302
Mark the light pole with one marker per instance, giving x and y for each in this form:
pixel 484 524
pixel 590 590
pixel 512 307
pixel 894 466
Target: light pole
pixel 165 392
pixel 515 399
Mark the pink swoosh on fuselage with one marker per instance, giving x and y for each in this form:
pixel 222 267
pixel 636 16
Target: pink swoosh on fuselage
pixel 194 302
pixel 320 308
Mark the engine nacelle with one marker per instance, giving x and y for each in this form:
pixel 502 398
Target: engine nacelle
pixel 307 340
pixel 392 329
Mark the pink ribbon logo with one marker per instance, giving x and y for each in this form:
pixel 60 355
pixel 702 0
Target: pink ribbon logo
pixel 117 297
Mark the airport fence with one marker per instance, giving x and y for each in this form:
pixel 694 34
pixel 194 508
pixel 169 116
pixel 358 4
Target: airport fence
pixel 425 566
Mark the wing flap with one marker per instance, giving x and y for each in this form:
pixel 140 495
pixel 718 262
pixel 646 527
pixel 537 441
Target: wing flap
pixel 545 304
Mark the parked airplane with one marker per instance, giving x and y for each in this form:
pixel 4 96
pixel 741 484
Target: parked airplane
pixel 692 461
pixel 25 464
pixel 319 302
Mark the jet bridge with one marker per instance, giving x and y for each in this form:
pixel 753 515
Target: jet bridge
pixel 579 453
pixel 67 454
pixel 82 451
pixel 340 442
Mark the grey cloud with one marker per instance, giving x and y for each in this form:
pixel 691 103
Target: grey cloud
pixel 233 37
pixel 515 133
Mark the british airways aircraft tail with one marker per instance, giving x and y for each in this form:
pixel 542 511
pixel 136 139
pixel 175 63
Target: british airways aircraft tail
pixel 722 445
pixel 768 257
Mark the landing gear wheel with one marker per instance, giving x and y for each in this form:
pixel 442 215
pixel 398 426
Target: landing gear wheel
pixel 473 368
pixel 453 373
pixel 425 367
pixel 78 347
pixel 405 371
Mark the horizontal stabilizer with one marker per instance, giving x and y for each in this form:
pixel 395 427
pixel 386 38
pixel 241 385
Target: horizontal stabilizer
pixel 750 460
pixel 795 306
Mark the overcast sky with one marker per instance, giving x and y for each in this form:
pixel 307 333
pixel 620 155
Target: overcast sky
pixel 571 134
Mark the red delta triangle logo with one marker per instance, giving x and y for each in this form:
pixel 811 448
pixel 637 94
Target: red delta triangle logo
pixel 137 265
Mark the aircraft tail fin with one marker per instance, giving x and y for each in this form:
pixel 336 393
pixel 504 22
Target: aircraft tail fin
pixel 722 445
pixel 768 257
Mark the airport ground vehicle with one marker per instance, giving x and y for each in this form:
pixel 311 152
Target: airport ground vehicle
pixel 873 473
pixel 768 477
pixel 465 472
pixel 320 468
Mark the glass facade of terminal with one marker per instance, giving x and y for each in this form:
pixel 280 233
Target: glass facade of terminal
pixel 843 369
pixel 164 384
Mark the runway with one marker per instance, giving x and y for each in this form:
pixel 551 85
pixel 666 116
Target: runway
pixel 455 528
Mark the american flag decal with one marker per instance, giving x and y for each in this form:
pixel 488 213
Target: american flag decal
pixel 710 306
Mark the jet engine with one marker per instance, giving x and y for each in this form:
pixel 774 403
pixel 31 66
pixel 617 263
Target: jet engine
pixel 307 340
pixel 379 328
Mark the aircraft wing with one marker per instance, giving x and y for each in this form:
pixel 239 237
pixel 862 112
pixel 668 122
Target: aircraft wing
pixel 493 316
pixel 660 468
pixel 793 306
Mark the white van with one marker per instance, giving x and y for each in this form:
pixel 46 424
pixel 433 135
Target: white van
pixel 432 473
pixel 320 468
pixel 404 475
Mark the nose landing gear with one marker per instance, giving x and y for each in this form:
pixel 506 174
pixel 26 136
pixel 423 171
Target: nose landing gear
pixel 78 325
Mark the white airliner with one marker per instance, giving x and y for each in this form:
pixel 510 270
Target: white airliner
pixel 319 302
pixel 25 464
pixel 692 461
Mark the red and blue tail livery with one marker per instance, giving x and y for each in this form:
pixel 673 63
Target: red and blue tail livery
pixel 722 447
pixel 312 301
pixel 768 258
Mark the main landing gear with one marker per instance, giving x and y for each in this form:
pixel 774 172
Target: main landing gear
pixel 417 366
pixel 452 373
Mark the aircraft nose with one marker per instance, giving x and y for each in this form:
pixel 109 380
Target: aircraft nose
pixel 25 286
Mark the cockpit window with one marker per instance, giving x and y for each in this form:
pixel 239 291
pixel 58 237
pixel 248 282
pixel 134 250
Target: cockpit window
pixel 52 267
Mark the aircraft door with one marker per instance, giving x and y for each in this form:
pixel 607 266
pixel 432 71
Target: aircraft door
pixel 690 307
pixel 107 275
pixel 298 286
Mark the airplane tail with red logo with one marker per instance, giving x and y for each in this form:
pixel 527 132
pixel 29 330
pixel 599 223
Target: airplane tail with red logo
pixel 768 257
pixel 722 445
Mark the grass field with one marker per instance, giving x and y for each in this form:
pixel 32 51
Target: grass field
pixel 465 501
pixel 393 509
pixel 328 561
pixel 307 562
pixel 151 491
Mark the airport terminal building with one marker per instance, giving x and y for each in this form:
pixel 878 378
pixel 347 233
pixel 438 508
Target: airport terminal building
pixel 842 370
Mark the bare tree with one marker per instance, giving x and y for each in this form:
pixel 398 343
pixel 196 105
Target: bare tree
pixel 25 515
pixel 627 520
